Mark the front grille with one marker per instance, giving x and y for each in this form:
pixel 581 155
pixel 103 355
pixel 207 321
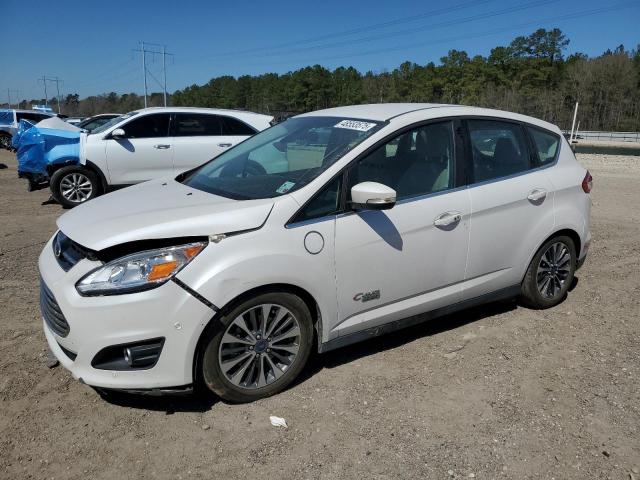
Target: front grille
pixel 51 312
pixel 68 252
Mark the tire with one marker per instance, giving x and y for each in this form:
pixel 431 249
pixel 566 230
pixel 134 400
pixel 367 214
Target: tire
pixel 5 142
pixel 74 185
pixel 266 369
pixel 550 274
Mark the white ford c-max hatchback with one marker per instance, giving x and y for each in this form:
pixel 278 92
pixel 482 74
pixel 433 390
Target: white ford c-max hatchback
pixel 324 230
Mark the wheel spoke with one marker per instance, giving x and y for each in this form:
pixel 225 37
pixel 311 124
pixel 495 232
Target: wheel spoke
pixel 230 338
pixel 280 314
pixel 293 332
pixel 277 373
pixel 228 365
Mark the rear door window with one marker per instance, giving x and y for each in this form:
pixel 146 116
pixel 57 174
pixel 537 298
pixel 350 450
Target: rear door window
pixel 498 149
pixel 546 145
pixel 148 126
pixel 197 125
pixel 234 127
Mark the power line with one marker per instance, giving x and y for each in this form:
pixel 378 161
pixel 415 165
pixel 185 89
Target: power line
pixel 353 31
pixel 554 19
pixel 447 23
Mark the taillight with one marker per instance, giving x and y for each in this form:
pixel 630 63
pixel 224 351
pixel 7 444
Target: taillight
pixel 587 182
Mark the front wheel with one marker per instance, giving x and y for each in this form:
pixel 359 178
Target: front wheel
pixel 261 347
pixel 550 273
pixel 74 185
pixel 5 142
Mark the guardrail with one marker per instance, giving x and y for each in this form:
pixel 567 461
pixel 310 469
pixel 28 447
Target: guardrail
pixel 607 136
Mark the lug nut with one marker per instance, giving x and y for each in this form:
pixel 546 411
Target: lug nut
pixel 251 347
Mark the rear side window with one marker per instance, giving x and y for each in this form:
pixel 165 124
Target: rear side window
pixel 233 126
pixel 546 144
pixel 197 124
pixel 31 117
pixel 148 126
pixel 498 149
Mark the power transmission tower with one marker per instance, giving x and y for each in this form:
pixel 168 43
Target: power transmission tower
pixel 17 92
pixel 55 80
pixel 145 50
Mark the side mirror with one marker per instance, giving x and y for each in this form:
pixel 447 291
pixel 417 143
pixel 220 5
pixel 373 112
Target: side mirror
pixel 118 133
pixel 372 196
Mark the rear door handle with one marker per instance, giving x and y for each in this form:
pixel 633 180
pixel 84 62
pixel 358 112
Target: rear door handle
pixel 225 145
pixel 447 219
pixel 537 195
pixel 161 146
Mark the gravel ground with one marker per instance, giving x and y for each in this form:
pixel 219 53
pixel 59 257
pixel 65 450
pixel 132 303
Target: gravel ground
pixel 494 392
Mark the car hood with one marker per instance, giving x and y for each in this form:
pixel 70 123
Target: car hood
pixel 159 209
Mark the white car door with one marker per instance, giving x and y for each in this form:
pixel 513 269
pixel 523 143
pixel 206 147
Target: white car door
pixel 143 153
pixel 512 206
pixel 392 264
pixel 199 137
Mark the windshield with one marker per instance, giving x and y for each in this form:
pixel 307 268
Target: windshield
pixel 113 122
pixel 282 158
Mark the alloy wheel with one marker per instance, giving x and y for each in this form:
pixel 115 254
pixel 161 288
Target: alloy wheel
pixel 553 270
pixel 76 187
pixel 259 346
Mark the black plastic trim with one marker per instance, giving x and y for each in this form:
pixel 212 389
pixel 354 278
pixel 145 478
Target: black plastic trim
pixel 112 357
pixel 190 290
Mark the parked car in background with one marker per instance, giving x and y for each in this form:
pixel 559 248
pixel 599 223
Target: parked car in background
pixel 91 123
pixel 329 228
pixel 10 119
pixel 74 120
pixel 148 144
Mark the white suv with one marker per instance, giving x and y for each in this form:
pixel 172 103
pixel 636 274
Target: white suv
pixel 327 229
pixel 148 144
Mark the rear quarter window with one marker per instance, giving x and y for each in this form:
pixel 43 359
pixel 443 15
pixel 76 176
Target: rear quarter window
pixel 546 145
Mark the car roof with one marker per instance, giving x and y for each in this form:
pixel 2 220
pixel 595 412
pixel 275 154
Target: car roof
pixel 386 111
pixel 20 110
pixel 221 111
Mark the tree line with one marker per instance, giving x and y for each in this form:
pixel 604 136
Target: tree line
pixel 531 75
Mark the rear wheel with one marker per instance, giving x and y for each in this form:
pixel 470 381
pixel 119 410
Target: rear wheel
pixel 550 273
pixel 74 185
pixel 261 347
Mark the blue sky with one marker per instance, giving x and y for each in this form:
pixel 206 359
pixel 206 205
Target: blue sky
pixel 90 44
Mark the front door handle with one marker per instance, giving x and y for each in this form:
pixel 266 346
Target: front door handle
pixel 161 146
pixel 447 219
pixel 224 145
pixel 537 195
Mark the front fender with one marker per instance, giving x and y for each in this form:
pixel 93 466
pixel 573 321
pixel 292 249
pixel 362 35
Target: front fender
pixel 270 255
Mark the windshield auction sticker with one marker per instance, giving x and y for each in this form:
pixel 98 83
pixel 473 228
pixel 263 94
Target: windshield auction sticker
pixel 285 187
pixel 355 125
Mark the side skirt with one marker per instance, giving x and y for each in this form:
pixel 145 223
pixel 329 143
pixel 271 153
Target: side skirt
pixel 503 294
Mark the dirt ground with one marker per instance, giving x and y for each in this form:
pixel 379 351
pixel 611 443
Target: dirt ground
pixel 494 392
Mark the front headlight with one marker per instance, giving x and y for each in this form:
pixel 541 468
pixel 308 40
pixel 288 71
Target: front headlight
pixel 137 272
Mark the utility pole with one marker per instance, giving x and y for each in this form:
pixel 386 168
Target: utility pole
pixel 164 73
pixel 573 124
pixel 55 80
pixel 9 90
pixel 144 73
pixel 144 49
pixel 44 82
